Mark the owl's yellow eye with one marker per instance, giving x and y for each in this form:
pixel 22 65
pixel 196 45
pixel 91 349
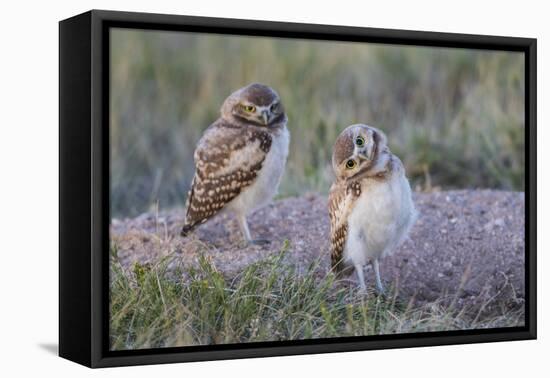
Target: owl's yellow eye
pixel 360 141
pixel 350 164
pixel 249 108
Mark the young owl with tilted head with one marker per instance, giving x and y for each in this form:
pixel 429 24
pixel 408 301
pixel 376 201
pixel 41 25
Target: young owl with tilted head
pixel 370 203
pixel 240 158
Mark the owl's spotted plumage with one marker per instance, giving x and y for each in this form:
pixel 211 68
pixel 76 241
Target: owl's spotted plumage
pixel 240 158
pixel 341 199
pixel 370 203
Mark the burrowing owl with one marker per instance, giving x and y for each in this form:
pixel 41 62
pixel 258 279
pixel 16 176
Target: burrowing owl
pixel 240 158
pixel 370 204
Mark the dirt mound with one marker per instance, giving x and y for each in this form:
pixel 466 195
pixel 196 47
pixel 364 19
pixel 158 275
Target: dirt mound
pixel 467 247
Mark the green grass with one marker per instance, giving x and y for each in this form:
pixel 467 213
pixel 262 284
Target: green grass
pixel 157 306
pixel 454 116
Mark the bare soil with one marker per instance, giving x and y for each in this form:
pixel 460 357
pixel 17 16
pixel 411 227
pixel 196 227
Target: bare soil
pixel 466 248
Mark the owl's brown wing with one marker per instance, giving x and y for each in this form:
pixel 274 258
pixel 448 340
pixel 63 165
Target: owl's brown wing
pixel 340 202
pixel 227 160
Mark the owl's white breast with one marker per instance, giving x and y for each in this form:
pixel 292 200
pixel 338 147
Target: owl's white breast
pixel 266 184
pixel 380 219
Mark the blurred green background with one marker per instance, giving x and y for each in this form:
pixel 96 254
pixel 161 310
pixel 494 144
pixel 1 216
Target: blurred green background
pixel 455 117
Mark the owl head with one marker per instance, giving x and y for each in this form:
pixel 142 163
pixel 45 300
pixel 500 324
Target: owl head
pixel 255 104
pixel 359 151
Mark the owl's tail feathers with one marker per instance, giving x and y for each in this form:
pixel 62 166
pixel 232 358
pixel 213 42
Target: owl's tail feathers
pixel 187 228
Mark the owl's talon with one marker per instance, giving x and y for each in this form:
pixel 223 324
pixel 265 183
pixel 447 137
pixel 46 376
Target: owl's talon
pixel 259 242
pixel 381 292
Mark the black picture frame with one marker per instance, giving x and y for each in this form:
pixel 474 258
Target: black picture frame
pixel 84 186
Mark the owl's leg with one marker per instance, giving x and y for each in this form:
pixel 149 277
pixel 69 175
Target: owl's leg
pixel 243 224
pixel 361 277
pixel 376 268
pixel 246 232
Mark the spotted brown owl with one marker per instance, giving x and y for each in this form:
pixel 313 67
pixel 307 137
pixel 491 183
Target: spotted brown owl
pixel 240 158
pixel 370 203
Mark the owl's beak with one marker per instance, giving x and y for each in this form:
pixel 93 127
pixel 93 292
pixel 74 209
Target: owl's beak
pixel 368 153
pixel 265 117
pixel 363 154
